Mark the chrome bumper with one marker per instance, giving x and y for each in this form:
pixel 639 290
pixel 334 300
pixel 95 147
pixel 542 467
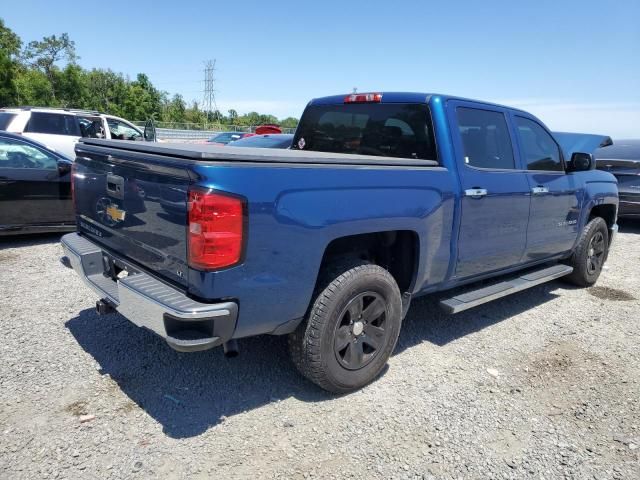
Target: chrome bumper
pixel 186 325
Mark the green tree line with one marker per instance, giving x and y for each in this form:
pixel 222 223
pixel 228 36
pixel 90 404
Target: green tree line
pixel 46 73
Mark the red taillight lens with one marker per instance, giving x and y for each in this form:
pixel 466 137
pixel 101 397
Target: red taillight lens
pixel 215 229
pixel 73 185
pixel 363 98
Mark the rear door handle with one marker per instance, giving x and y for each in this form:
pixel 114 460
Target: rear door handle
pixel 539 190
pixel 475 192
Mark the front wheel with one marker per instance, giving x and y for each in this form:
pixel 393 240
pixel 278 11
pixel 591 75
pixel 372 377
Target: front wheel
pixel 351 330
pixel 590 254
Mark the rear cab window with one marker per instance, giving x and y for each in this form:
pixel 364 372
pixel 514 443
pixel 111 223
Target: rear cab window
pixel 401 130
pixel 53 123
pixel 485 138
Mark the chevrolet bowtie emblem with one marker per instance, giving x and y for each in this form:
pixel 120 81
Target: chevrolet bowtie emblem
pixel 115 214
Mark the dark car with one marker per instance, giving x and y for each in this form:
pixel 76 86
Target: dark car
pixel 623 160
pixel 275 140
pixel 226 137
pixel 35 187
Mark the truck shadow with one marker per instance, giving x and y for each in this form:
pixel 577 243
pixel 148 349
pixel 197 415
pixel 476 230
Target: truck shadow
pixel 426 321
pixel 189 393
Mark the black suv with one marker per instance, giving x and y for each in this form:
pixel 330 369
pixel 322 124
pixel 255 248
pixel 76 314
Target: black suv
pixel 623 160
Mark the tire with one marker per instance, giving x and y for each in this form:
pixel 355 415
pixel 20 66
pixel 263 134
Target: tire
pixel 351 329
pixel 590 254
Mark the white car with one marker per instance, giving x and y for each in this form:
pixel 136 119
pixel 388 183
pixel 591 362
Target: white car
pixel 61 128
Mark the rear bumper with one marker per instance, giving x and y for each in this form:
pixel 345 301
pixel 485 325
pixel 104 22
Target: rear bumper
pixel 186 325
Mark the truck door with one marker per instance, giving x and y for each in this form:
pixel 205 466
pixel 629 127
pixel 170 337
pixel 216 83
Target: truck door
pixel 495 192
pixel 555 196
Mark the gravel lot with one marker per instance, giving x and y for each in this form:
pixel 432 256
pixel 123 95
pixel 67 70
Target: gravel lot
pixel 543 384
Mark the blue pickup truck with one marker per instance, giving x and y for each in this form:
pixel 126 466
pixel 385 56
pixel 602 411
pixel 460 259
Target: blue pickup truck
pixel 382 197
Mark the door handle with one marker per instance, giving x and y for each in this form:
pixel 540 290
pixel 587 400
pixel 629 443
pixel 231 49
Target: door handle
pixel 539 190
pixel 475 192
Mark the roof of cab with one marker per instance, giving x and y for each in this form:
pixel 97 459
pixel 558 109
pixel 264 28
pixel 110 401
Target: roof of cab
pixel 404 97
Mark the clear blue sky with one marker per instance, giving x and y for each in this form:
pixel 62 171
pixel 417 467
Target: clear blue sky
pixel 576 64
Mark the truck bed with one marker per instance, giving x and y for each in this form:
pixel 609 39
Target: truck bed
pixel 202 152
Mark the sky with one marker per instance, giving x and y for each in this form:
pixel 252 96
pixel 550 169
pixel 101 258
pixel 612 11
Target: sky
pixel 574 64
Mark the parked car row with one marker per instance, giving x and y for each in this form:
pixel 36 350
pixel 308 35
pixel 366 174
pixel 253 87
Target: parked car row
pixel 61 128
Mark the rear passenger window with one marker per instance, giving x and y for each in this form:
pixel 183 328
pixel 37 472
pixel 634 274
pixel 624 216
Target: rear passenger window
pixel 539 150
pixel 53 123
pixel 485 137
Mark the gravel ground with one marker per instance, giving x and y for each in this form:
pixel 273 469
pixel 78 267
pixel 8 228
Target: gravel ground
pixel 543 384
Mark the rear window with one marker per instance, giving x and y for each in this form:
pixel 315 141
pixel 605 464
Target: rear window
pixel 401 130
pixel 5 119
pixel 53 123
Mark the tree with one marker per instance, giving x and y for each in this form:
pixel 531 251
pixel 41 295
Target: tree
pixel 10 45
pixel 289 122
pixel 44 54
pixel 175 111
pixel 233 116
pixel 71 85
pixel 33 88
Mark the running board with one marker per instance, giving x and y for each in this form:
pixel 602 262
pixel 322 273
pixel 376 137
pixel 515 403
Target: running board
pixel 477 297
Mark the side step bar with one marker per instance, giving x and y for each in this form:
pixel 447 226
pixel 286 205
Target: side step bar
pixel 473 298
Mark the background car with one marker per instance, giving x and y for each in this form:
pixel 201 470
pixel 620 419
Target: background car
pixel 35 187
pixel 622 159
pixel 225 137
pixel 281 140
pixel 60 128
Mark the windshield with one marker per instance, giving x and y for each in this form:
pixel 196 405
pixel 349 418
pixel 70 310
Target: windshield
pixel 400 130
pixel 264 141
pixel 226 137
pixel 5 119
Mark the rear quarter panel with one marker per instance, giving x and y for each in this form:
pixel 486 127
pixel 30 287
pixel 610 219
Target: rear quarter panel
pixel 295 211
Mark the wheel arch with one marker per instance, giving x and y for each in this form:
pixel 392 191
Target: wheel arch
pixel 397 251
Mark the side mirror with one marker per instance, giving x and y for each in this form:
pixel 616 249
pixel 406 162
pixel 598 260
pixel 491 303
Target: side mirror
pixel 580 162
pixel 149 131
pixel 63 167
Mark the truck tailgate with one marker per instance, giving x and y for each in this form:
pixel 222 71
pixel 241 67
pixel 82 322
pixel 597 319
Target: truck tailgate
pixel 137 210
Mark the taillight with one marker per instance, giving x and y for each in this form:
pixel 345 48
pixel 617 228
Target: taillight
pixel 363 98
pixel 215 230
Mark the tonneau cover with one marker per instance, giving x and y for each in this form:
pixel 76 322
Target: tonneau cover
pixel 195 151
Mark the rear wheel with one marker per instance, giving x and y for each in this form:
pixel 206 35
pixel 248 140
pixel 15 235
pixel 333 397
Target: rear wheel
pixel 350 331
pixel 590 254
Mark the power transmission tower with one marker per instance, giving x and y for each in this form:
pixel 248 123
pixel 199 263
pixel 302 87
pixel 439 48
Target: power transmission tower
pixel 209 101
